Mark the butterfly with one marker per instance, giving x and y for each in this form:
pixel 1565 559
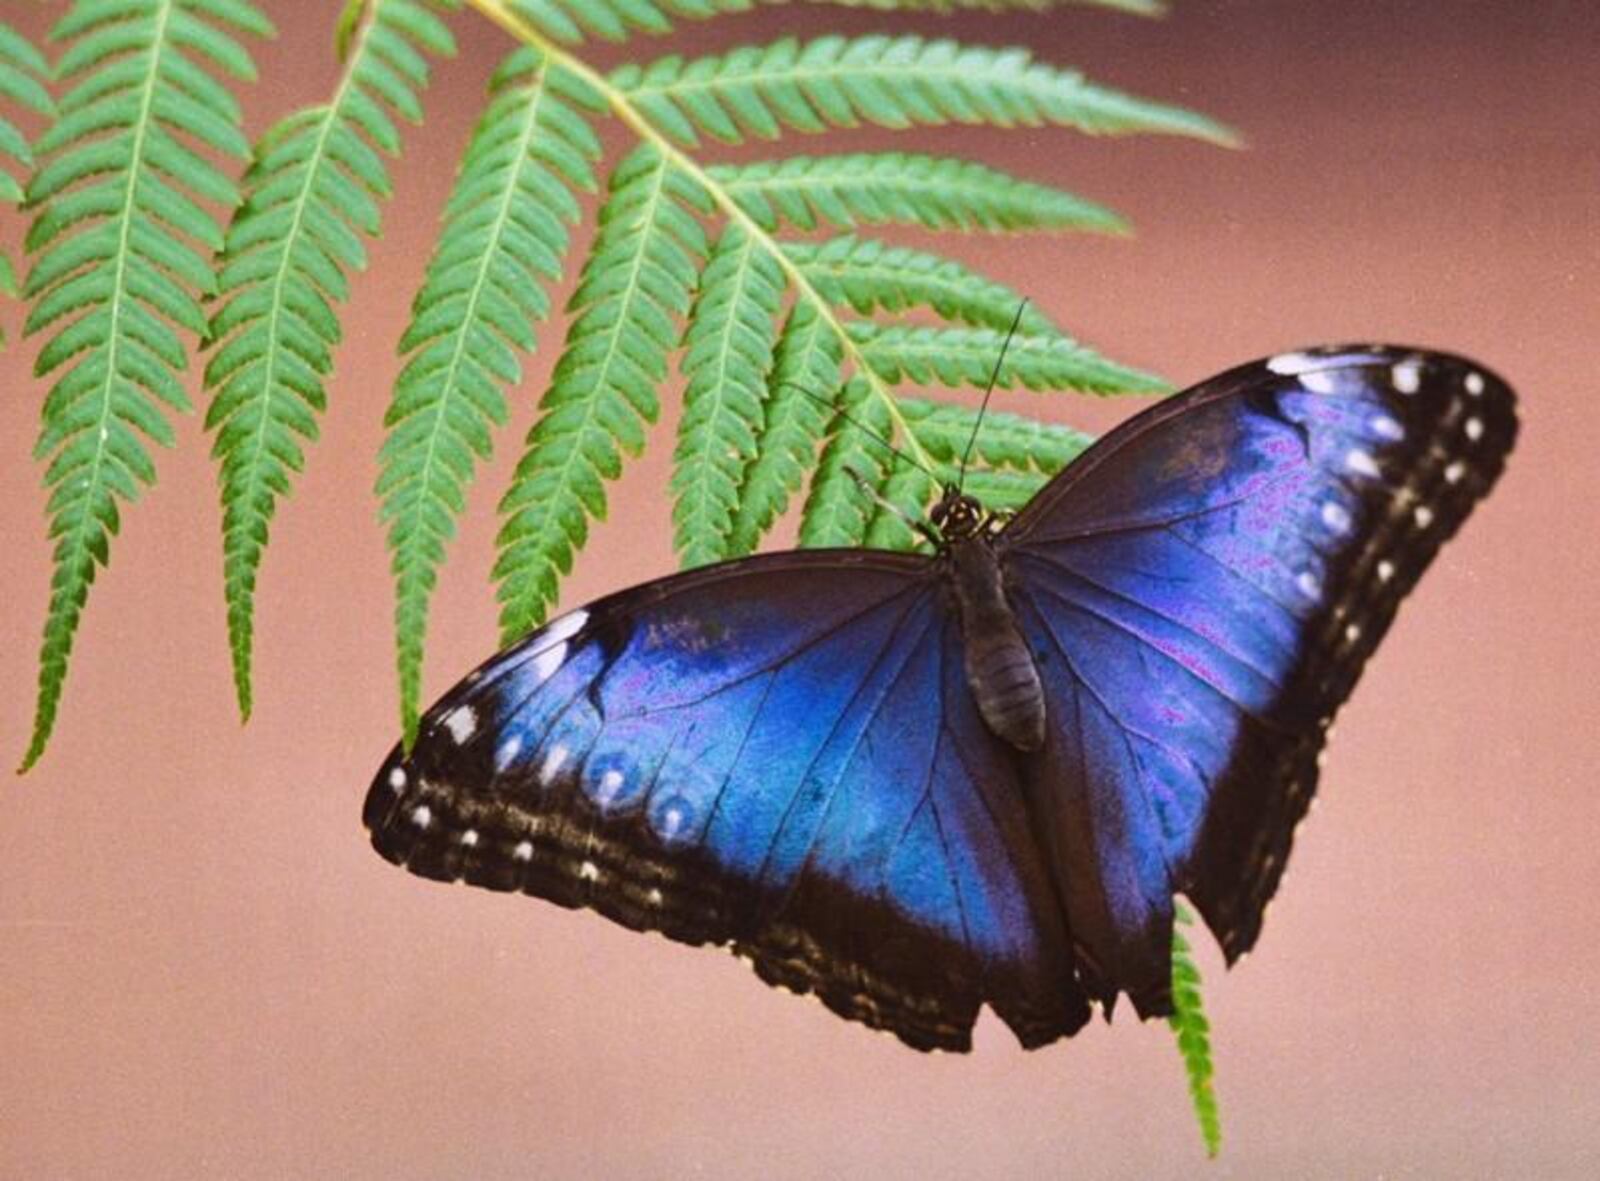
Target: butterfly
pixel 917 783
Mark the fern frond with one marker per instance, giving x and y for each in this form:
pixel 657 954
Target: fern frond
pixel 1002 489
pixel 22 73
pixel 935 192
pixel 636 284
pixel 838 510
pixel 569 22
pixel 1189 1022
pixel 1012 457
pixel 1001 440
pixel 727 352
pixel 893 82
pixel 504 238
pixel 966 356
pixel 868 275
pixel 117 267
pixel 803 387
pixel 311 191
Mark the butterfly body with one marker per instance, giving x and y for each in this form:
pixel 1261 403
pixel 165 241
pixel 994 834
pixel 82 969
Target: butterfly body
pixel 999 666
pixel 916 784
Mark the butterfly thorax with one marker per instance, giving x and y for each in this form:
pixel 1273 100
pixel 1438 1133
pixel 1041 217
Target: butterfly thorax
pixel 999 667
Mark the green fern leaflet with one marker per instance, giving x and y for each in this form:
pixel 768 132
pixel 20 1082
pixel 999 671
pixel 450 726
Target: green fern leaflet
pixel 636 285
pixel 118 266
pixel 805 344
pixel 22 74
pixel 313 188
pixel 1189 1022
pixel 504 241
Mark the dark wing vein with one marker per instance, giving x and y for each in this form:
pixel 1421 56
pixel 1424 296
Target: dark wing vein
pixel 1146 647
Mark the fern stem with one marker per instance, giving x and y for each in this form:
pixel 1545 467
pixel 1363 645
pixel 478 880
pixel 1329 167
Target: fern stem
pixel 634 119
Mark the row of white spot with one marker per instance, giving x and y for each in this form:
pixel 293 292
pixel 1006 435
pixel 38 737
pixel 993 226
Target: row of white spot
pixel 422 818
pixel 1317 374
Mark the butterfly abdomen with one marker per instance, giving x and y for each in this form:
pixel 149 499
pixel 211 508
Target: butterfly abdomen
pixel 999 667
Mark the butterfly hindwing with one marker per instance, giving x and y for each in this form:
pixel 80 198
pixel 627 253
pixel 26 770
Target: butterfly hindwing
pixel 777 754
pixel 1201 590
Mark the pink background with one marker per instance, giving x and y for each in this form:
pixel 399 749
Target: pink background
pixel 205 972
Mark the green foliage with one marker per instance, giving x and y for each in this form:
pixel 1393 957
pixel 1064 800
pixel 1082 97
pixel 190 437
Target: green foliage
pixel 22 73
pixel 727 353
pixel 869 276
pixel 636 285
pixel 118 267
pixel 1189 1022
pixel 312 189
pixel 1011 458
pixel 791 349
pixel 966 356
pixel 895 82
pixel 570 22
pixel 794 421
pixel 504 239
pixel 1000 440
pixel 934 192
pixel 854 465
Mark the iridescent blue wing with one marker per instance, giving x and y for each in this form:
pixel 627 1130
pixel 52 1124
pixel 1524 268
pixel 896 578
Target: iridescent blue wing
pixel 779 754
pixel 1200 591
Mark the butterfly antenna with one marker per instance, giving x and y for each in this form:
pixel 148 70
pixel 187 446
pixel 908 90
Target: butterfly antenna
pixel 864 429
pixel 920 528
pixel 994 376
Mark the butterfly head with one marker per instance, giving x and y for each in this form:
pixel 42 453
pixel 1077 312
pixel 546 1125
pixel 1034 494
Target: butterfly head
pixel 957 516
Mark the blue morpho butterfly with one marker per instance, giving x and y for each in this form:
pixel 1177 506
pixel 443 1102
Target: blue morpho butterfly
pixel 915 784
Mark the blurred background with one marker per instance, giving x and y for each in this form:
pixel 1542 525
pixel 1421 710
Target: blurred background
pixel 205 972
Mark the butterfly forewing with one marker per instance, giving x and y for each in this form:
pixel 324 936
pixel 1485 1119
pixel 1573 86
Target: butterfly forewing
pixel 1203 587
pixel 766 754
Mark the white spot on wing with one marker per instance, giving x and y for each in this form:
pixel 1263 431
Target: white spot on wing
pixel 1335 516
pixel 1474 428
pixel 470 838
pixel 553 762
pixel 523 851
pixel 1474 384
pixel 671 821
pixel 1407 376
pixel 1319 381
pixel 1385 570
pixel 1423 516
pixel 589 871
pixel 1310 585
pixel 1352 633
pixel 1292 364
pixel 1387 428
pixel 654 897
pixel 462 723
pixel 507 751
pixel 1454 471
pixel 553 654
pixel 397 779
pixel 421 816
pixel 609 782
pixel 1360 462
